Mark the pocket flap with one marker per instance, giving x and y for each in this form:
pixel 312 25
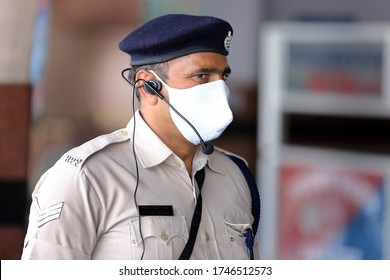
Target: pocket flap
pixel 239 228
pixel 162 227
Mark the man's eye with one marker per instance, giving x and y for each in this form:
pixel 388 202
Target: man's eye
pixel 201 76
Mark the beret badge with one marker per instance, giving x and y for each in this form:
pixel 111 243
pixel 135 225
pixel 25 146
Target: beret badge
pixel 228 41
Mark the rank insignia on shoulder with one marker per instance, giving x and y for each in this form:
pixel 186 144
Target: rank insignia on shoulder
pixel 73 160
pixel 45 215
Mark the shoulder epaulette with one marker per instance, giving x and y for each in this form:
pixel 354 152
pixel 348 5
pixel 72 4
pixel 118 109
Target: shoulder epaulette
pixel 230 154
pixel 78 155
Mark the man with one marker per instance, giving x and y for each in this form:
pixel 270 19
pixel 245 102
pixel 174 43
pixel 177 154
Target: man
pixel 135 193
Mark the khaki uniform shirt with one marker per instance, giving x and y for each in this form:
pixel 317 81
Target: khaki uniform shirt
pixel 85 206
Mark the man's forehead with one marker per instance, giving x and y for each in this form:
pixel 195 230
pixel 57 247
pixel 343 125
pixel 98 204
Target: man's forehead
pixel 206 61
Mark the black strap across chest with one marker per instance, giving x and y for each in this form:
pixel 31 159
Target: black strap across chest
pixel 187 251
pixel 256 206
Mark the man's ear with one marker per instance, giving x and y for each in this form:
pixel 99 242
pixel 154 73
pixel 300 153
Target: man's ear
pixel 141 76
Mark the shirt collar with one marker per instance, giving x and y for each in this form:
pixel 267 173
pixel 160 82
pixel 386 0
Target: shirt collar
pixel 214 164
pixel 151 151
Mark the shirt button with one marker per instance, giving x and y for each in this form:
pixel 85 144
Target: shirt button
pixel 178 164
pixel 206 236
pixel 231 239
pixel 164 236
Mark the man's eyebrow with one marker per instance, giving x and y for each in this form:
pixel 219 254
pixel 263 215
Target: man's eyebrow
pixel 227 70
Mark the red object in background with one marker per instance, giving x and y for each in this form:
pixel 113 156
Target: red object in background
pixel 316 204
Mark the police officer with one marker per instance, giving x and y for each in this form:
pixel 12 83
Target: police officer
pixel 135 193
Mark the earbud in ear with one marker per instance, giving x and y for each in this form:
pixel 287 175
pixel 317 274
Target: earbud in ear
pixel 152 87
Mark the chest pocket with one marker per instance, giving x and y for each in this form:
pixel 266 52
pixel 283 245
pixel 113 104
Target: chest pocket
pixel 164 237
pixel 235 233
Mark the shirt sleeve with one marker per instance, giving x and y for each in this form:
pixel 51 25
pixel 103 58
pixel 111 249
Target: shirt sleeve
pixel 64 216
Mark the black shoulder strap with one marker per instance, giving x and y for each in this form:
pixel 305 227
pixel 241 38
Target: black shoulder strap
pixel 199 176
pixel 256 206
pixel 187 251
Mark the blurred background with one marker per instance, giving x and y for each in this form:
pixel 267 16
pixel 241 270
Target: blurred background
pixel 309 93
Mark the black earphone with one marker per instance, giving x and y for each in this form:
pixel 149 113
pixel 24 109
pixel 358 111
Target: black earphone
pixel 153 87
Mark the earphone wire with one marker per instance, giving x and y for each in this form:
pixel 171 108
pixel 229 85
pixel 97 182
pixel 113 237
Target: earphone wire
pixel 187 121
pixel 136 164
pixel 137 180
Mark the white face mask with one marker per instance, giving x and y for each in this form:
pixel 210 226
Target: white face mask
pixel 205 106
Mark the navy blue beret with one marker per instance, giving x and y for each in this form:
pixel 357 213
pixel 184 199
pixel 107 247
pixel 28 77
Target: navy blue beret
pixel 175 35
